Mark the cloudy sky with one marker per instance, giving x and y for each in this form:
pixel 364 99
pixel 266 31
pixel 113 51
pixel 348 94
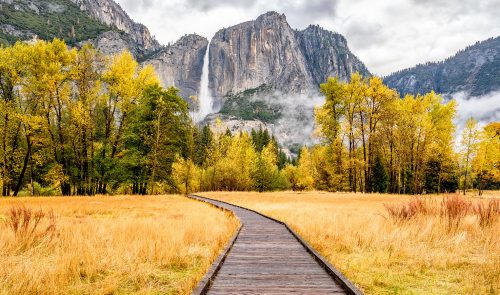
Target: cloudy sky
pixel 387 35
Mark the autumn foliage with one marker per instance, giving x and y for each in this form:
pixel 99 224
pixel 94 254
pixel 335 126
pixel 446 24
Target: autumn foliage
pixel 76 122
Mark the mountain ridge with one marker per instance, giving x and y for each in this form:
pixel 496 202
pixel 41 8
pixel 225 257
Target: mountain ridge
pixel 473 70
pixel 265 51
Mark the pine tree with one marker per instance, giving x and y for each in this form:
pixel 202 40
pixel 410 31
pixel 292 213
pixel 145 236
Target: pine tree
pixel 380 178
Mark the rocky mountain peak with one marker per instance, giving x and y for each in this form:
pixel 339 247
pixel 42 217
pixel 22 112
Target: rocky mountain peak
pixel 110 13
pixel 320 31
pixel 314 29
pixel 272 16
pixel 190 39
pixel 328 55
pixel 263 51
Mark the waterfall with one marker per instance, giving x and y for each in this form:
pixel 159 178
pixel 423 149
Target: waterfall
pixel 205 99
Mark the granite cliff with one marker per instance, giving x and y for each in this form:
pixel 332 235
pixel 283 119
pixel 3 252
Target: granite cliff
pixel 267 51
pixel 110 13
pixel 180 65
pixel 327 55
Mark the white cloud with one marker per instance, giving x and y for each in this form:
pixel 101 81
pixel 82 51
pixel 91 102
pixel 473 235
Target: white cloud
pixel 484 109
pixel 296 110
pixel 386 35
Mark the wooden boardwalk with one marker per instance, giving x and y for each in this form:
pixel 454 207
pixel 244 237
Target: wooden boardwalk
pixel 267 258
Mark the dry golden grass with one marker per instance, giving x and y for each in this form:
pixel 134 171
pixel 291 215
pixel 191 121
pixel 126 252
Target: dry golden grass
pixel 105 245
pixel 423 255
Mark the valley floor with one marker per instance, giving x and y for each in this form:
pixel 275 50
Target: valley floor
pixel 108 245
pixel 426 254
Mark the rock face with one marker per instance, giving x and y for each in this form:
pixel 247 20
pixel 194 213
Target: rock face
pixel 264 51
pixel 48 19
pixel 17 33
pixel 114 42
pixel 111 14
pixel 327 55
pixel 473 70
pixel 181 64
pixel 268 51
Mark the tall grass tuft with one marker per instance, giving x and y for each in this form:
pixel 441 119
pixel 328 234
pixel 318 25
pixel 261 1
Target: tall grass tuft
pixel 454 209
pixel 488 213
pixel 408 211
pixel 30 228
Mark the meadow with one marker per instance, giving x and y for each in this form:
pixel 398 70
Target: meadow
pixel 388 244
pixel 108 245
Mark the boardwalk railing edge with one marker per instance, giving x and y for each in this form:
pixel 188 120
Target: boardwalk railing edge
pixel 203 285
pixel 336 274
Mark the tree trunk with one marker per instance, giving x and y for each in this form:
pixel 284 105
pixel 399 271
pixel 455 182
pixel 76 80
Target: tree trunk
pixel 118 135
pixel 5 181
pixel 25 166
pixel 364 187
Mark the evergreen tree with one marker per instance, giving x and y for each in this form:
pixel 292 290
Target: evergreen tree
pixel 380 179
pixel 203 140
pixel 266 174
pixel 432 181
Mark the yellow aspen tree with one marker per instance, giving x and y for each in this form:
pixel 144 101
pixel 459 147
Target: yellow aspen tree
pixel 50 70
pixel 291 176
pixel 185 175
pixel 305 170
pixel 9 78
pixel 470 139
pixel 14 110
pixel 237 166
pixel 377 100
pixel 87 79
pixel 329 119
pixel 486 162
pixel 440 160
pixel 216 152
pixel 354 94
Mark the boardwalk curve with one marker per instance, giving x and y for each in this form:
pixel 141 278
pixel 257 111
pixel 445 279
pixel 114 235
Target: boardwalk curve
pixel 265 256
